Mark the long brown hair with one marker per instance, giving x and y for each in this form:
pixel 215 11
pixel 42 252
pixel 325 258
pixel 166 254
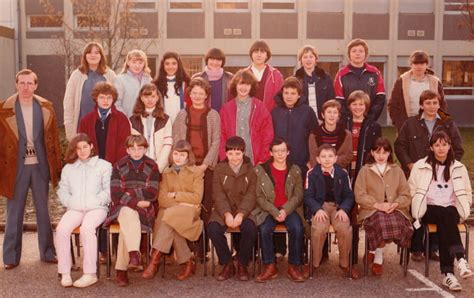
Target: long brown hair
pixel 139 108
pixel 84 67
pixel 431 160
pixel 243 76
pixel 181 76
pixel 71 151
pixel 381 143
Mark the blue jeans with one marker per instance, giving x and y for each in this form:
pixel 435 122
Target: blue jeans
pixel 295 238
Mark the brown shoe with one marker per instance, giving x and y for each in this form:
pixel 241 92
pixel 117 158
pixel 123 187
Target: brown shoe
pixel 305 271
pixel 295 274
pixel 371 257
pixel 135 261
pixel 355 274
pixel 54 260
pixel 270 271
pixel 417 257
pixel 242 272
pixel 227 271
pixel 153 266
pixel 10 266
pixel 187 269
pixel 121 278
pixel 377 269
pixel 102 258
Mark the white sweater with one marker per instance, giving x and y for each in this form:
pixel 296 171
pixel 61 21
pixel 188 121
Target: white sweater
pixel 85 185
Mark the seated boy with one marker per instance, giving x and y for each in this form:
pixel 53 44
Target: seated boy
pixel 329 200
pixel 280 200
pixel 134 189
pixel 234 199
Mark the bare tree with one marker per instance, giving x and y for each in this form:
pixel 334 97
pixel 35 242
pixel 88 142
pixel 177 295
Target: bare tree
pixel 109 22
pixel 467 8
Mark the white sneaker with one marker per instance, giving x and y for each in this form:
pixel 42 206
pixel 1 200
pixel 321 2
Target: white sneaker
pixel 464 268
pixel 85 281
pixel 451 282
pixel 66 280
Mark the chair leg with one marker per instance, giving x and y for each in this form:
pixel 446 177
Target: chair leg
pixel 164 265
pixel 78 244
pixel 406 252
pixel 311 268
pixel 98 260
pixel 260 253
pixel 467 241
pixel 350 263
pixel 427 251
pixel 204 251
pixel 366 256
pixel 72 254
pixel 213 265
pixel 400 250
pixel 108 256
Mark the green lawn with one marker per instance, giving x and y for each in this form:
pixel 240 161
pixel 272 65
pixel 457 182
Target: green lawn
pixel 467 134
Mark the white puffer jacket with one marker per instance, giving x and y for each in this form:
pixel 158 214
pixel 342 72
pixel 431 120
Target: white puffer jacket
pixel 419 182
pixel 85 185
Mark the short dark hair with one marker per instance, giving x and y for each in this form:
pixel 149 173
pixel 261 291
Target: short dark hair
pixel 381 143
pixel 326 147
pixel 260 45
pixel 215 53
pixel 292 82
pixel 243 76
pixel 278 141
pixel 183 146
pixel 358 42
pixel 419 56
pixel 104 88
pixel 428 94
pixel 138 140
pixel 200 82
pixel 235 143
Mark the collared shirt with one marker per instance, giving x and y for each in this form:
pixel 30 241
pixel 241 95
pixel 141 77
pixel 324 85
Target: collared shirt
pixel 430 123
pixel 258 73
pixel 243 124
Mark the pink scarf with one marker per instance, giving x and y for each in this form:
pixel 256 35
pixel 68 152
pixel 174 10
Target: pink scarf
pixel 214 75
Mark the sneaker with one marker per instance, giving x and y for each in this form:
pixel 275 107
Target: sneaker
pixel 85 281
pixel 66 280
pixel 464 269
pixel 451 282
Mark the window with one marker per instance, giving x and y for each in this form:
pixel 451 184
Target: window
pixel 403 64
pixel 416 6
pixel 94 22
pixel 192 64
pixel 457 6
pixel 279 5
pixel 458 75
pixel 42 22
pixel 371 6
pixel 380 62
pixel 143 6
pixel 185 5
pixel 232 5
pixel 326 5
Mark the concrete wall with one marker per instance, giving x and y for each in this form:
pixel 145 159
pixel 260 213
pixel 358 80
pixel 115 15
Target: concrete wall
pixel 7 61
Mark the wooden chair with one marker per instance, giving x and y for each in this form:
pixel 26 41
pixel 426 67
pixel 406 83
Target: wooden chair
pixel 432 228
pixel 231 231
pixel 114 228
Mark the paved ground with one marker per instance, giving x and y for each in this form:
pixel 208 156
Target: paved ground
pixel 34 278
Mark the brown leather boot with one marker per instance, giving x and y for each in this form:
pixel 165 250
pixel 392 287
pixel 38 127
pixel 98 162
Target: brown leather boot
pixel 242 272
pixel 187 269
pixel 295 274
pixel 135 261
pixel 121 278
pixel 154 264
pixel 269 271
pixel 227 271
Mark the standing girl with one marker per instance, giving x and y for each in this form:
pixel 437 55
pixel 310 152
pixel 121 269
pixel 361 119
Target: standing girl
pixel 246 116
pixel 178 217
pixel 84 190
pixel 172 81
pixel 442 195
pixel 149 120
pixel 78 96
pixel 135 74
pixel 382 192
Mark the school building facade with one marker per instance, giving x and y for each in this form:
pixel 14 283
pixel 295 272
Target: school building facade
pixel 393 29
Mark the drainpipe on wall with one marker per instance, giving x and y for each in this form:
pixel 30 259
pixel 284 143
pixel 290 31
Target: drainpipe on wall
pixel 19 58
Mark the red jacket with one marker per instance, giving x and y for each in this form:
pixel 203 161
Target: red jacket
pixel 261 128
pixel 119 130
pixel 273 85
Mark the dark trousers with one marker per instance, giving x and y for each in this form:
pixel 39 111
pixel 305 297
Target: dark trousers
pixel 248 233
pixel 295 238
pixel 31 177
pixel 446 220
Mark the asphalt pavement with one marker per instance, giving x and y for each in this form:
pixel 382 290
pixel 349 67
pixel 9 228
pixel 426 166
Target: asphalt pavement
pixel 35 278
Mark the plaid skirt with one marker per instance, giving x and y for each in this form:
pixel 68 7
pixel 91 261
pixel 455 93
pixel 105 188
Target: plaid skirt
pixel 381 226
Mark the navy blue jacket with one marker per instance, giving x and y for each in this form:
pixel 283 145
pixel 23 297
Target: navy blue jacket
pixel 323 84
pixel 315 192
pixel 294 125
pixel 369 133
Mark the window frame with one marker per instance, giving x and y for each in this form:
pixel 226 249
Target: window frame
pixel 457 96
pixel 42 29
pixel 138 10
pixel 83 29
pixel 185 9
pixel 274 10
pixel 216 9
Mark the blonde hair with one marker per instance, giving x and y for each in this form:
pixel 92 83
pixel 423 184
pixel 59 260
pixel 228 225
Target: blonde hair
pixel 136 54
pixel 305 49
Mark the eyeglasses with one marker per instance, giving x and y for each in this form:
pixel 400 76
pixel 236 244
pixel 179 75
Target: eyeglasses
pixel 441 186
